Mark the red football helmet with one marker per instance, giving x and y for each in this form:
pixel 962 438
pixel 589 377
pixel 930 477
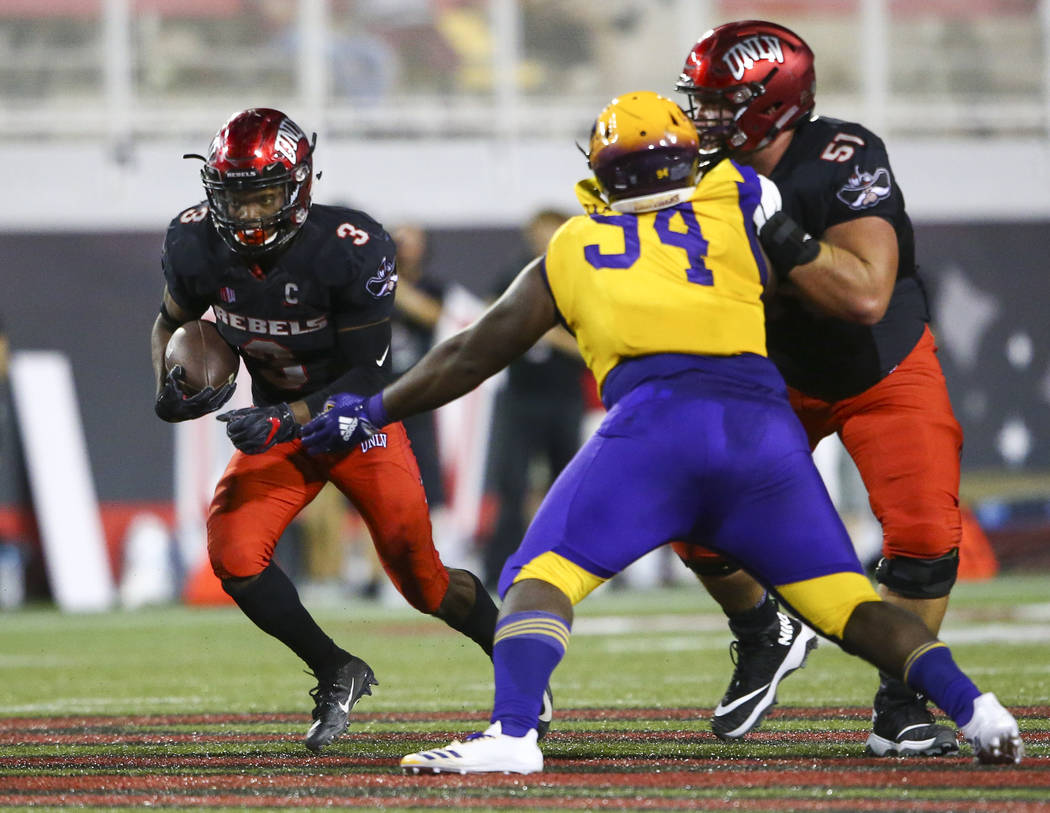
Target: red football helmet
pixel 258 176
pixel 746 82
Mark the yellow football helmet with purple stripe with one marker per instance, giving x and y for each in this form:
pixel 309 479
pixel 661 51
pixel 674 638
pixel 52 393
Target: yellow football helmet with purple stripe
pixel 644 152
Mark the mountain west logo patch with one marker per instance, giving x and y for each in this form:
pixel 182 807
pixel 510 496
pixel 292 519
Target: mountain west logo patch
pixel 865 189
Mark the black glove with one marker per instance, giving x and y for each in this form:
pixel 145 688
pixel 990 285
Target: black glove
pixel 173 405
pixel 256 429
pixel 786 244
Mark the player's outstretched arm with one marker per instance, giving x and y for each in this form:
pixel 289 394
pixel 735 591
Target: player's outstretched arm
pixel 511 325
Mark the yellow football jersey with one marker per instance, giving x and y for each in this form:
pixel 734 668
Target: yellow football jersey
pixel 686 279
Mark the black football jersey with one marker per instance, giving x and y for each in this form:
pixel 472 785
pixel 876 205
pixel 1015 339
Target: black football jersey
pixel 832 172
pixel 289 318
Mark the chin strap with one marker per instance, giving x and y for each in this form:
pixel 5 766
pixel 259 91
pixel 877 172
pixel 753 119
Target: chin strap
pixel 653 202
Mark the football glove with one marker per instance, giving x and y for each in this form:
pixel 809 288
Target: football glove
pixel 347 420
pixel 786 244
pixel 173 405
pixel 256 429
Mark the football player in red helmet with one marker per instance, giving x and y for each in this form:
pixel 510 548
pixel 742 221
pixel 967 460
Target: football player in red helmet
pixel 849 331
pixel 258 175
pixel 304 294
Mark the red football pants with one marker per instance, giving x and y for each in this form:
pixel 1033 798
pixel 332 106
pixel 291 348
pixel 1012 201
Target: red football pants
pixel 259 495
pixel 906 444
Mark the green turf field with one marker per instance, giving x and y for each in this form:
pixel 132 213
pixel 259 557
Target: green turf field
pixel 629 649
pixel 187 708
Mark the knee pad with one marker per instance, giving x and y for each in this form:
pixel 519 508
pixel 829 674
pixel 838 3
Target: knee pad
pixel 919 578
pixel 702 561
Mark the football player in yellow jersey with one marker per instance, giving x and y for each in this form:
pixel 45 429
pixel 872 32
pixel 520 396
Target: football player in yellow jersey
pixel 660 280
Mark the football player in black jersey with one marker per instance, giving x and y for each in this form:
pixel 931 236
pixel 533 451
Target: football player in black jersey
pixel 304 294
pixel 849 332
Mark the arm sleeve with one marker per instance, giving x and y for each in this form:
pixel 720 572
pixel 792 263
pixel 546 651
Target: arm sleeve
pixel 366 353
pixel 362 308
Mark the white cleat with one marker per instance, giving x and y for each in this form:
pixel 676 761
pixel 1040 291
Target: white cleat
pixel 992 732
pixel 491 751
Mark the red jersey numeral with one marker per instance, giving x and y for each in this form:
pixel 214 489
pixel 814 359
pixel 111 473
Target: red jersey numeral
pixel 281 369
pixel 194 215
pixel 358 236
pixel 840 149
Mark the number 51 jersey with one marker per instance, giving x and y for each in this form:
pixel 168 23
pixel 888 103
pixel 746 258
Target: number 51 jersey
pixel 685 279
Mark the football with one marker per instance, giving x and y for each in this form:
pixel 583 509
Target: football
pixel 206 359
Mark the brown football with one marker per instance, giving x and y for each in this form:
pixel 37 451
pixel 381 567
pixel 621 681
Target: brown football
pixel 206 359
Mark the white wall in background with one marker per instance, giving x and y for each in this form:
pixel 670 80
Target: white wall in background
pixel 76 187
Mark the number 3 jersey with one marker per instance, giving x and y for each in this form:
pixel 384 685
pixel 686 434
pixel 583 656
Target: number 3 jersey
pixel 833 172
pixel 304 318
pixel 685 279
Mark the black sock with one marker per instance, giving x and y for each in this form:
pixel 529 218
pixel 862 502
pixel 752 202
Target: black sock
pixel 272 603
pixel 751 624
pixel 480 623
pixel 892 689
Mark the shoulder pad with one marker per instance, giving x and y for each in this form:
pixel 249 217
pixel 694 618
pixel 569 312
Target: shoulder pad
pixel 350 243
pixel 189 241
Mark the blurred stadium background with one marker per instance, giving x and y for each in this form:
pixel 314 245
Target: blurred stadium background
pixel 461 115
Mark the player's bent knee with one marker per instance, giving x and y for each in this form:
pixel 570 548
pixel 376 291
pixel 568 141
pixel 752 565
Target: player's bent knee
pixel 919 578
pixel 827 602
pixel 702 561
pixel 237 563
pixel 575 582
pixel 424 593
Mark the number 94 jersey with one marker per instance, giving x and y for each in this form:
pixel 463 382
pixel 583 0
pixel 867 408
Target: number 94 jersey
pixel 686 279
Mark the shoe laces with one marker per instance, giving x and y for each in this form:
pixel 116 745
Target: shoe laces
pixel 747 655
pixel 477 735
pixel 326 691
pixel 903 709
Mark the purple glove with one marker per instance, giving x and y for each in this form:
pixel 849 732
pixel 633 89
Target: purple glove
pixel 347 420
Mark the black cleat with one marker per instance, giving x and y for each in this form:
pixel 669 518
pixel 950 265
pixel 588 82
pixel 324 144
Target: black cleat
pixel 335 694
pixel 760 666
pixel 543 725
pixel 901 725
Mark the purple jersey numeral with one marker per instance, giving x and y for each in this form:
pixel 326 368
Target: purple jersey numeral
pixel 691 241
pixel 631 244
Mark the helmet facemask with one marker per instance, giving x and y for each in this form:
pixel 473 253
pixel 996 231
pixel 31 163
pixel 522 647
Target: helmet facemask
pixel 256 213
pixel 716 113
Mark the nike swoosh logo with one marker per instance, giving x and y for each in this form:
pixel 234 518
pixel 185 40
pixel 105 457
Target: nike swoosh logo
pixel 345 707
pixel 546 710
pixel 382 358
pixel 723 709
